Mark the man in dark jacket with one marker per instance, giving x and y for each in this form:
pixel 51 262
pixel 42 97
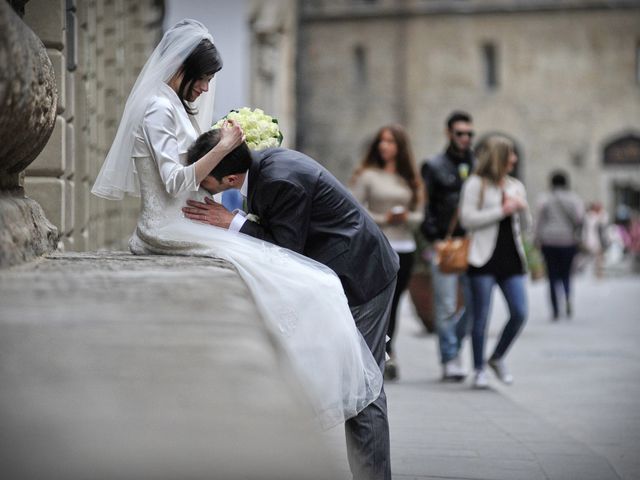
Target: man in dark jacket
pixel 303 207
pixel 443 176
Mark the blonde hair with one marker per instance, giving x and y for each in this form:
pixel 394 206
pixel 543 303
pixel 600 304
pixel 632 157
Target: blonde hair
pixel 493 157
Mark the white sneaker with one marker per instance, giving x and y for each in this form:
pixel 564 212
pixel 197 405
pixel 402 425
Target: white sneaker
pixel 501 371
pixel 453 371
pixel 480 380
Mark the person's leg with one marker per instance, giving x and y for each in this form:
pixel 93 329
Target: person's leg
pixel 404 274
pixel 514 291
pixel 445 292
pixel 465 321
pixel 481 287
pixel 566 264
pixel 368 432
pixel 551 262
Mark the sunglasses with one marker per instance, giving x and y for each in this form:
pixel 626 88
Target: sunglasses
pixel 459 133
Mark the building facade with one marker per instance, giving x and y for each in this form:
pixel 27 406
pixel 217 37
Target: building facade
pixel 272 66
pixel 560 78
pixel 97 48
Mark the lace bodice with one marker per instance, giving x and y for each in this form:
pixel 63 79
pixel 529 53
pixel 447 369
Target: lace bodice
pixel 158 210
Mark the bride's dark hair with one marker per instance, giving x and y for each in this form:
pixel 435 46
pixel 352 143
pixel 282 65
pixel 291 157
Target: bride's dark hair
pixel 202 62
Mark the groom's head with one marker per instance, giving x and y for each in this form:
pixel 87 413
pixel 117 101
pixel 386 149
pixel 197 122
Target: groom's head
pixel 231 170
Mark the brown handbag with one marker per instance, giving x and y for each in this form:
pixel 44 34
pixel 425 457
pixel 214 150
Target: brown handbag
pixel 451 253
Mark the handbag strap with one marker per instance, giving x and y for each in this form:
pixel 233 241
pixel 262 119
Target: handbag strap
pixel 456 215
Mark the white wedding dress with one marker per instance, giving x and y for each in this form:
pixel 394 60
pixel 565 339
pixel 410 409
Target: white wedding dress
pixel 301 301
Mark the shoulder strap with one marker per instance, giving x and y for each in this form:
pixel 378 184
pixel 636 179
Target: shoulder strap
pixel 456 215
pixel 564 211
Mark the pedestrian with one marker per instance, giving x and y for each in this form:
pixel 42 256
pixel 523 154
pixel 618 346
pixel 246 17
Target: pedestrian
pixel 595 236
pixel 493 208
pixel 387 184
pixel 558 233
pixel 443 176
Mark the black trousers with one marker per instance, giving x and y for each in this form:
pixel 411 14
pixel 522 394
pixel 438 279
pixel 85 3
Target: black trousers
pixel 559 262
pixel 404 275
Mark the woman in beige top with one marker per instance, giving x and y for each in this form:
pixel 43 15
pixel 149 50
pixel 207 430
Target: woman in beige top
pixel 388 185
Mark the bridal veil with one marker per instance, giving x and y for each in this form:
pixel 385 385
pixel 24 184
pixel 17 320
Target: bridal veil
pixel 118 174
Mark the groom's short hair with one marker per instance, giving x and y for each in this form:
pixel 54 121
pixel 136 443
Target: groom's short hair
pixel 236 161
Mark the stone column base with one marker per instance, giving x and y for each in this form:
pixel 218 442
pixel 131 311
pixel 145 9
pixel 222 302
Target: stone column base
pixel 25 233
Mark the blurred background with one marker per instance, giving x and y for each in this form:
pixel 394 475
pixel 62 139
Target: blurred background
pixel 561 78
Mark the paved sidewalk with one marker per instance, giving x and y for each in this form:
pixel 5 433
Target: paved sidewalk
pixel 572 413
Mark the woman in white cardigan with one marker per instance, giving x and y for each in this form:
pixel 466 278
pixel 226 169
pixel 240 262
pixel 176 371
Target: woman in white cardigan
pixel 493 209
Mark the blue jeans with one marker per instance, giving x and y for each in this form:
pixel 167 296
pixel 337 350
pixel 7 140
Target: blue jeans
pixel 451 323
pixel 513 289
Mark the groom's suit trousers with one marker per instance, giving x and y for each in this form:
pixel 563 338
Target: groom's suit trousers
pixel 368 432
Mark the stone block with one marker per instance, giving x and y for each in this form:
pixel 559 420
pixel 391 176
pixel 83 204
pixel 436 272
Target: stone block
pixel 81 154
pixel 81 206
pixel 180 399
pixel 47 19
pixel 50 194
pixel 81 241
pixel 69 96
pixel 58 62
pixel 70 151
pixel 68 244
pixel 69 204
pixel 52 160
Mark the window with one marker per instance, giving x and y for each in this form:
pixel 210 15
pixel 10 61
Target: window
pixel 490 64
pixel 360 66
pixel 71 49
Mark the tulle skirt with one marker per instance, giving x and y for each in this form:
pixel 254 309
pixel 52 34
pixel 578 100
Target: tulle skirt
pixel 303 305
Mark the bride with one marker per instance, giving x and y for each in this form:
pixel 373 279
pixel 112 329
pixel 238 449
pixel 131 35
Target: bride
pixel 147 158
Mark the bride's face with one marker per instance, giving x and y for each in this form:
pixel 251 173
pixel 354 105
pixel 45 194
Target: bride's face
pixel 199 87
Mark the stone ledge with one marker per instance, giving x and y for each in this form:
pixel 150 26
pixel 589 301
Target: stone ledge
pixel 146 367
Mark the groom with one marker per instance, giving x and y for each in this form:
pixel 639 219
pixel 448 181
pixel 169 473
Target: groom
pixel 303 207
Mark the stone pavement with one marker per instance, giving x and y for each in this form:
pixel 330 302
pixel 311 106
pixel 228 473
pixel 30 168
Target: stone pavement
pixel 573 411
pixel 115 366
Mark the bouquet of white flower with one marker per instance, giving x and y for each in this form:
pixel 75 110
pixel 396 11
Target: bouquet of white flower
pixel 261 130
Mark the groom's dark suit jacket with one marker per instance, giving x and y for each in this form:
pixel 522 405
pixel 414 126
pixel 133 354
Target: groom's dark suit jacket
pixel 303 207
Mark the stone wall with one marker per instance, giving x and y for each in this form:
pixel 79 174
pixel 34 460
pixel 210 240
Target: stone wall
pixel 563 93
pixel 97 48
pixel 273 26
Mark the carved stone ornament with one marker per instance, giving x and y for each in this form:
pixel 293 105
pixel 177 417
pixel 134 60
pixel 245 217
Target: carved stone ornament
pixel 28 94
pixel 28 100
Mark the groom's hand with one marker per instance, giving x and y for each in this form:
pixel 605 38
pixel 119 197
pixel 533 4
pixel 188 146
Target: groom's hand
pixel 209 212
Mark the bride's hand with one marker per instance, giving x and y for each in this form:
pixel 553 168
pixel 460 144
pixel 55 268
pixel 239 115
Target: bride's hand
pixel 232 136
